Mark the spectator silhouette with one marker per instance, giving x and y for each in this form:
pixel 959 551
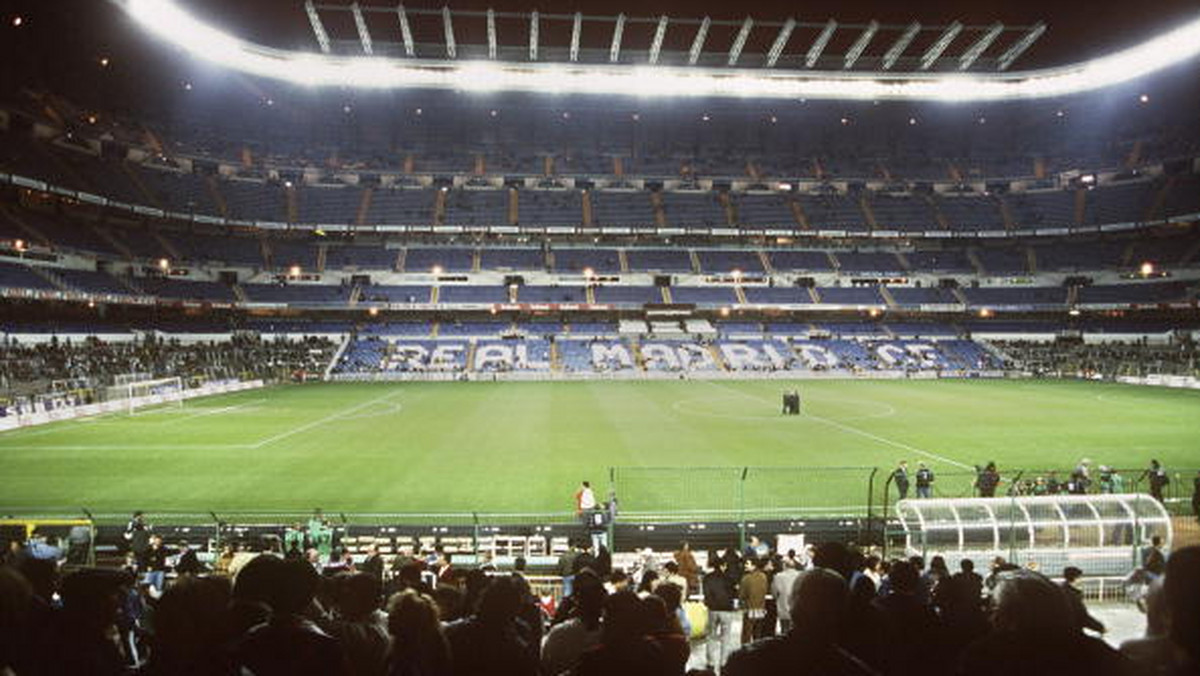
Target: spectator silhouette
pixel 190 636
pixel 288 643
pixel 419 646
pixel 493 641
pixel 624 646
pixel 1035 633
pixel 819 604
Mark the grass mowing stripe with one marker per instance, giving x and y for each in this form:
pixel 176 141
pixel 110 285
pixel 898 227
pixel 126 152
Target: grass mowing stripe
pixel 851 429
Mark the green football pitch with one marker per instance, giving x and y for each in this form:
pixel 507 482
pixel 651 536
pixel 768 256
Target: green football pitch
pixel 524 447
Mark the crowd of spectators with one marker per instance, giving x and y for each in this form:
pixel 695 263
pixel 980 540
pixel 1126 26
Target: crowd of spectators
pixel 1103 360
pixel 99 361
pixel 830 609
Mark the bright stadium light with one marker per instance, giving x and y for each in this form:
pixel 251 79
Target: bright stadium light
pixel 168 21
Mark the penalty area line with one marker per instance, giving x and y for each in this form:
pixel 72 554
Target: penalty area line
pixel 317 423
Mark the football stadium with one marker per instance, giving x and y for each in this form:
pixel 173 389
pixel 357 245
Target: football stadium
pixel 598 338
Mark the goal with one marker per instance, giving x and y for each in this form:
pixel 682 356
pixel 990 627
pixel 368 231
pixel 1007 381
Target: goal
pixel 155 393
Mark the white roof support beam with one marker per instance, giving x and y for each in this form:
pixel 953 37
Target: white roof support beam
pixel 659 34
pixel 533 36
pixel 980 46
pixel 614 53
pixel 576 29
pixel 491 31
pixel 1020 46
pixel 739 43
pixel 860 45
pixel 897 49
pixel 318 28
pixel 405 31
pixel 698 41
pixel 780 43
pixel 364 35
pixel 448 28
pixel 938 48
pixel 818 45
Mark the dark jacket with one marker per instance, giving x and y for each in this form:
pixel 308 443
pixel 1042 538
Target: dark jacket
pixel 718 593
pixel 1082 617
pixel 793 656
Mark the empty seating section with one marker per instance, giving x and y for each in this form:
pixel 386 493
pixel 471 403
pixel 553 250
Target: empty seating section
pixel 448 260
pixel 178 191
pixel 296 293
pixel 789 328
pixel 873 261
pixel 592 328
pixel 800 261
pixel 361 257
pixel 704 209
pixel 575 355
pixel 550 207
pixel 739 328
pixel 397 329
pixel 724 262
pixel 833 212
pixel 920 329
pixel 552 294
pixel 17 276
pixel 477 207
pixel 600 261
pixel 529 354
pixel 1050 209
pixel 1081 256
pixel 1183 197
pixel 286 253
pixel 782 295
pixel 396 294
pixel 327 204
pixel 1146 292
pixel 658 260
pixel 939 261
pixel 628 294
pixel 704 295
pixel 90 281
pixel 473 294
pixel 1003 260
pixel 1164 251
pixel 140 242
pixel 472 328
pixel 970 212
pixel 1016 296
pixel 621 208
pixel 244 250
pixel 854 329
pixel 512 259
pixel 907 212
pixel 178 289
pixel 254 201
pixel 1119 203
pixel 401 206
pixel 760 209
pixel 856 295
pixel 921 296
pixel 63 233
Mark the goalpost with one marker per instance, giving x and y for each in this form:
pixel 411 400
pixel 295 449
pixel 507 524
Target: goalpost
pixel 153 393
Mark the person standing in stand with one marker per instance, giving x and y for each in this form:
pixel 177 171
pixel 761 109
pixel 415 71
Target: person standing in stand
pixel 900 478
pixel 924 481
pixel 1196 495
pixel 1158 480
pixel 988 480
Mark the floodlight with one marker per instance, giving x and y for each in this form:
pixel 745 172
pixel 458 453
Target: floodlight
pixel 373 311
pixel 164 264
pixel 294 271
pixel 1147 269
pixel 589 273
pixel 437 270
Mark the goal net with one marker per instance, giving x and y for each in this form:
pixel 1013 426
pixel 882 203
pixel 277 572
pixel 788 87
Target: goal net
pixel 142 395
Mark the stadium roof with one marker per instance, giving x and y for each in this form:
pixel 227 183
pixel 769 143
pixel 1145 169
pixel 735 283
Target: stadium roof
pixel 537 63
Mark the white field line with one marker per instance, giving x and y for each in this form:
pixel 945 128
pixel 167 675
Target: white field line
pixel 854 430
pixel 317 423
pixel 212 411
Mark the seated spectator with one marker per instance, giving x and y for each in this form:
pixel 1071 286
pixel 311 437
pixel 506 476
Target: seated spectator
pixel 419 647
pixel 1035 633
pixel 662 625
pixel 358 624
pixel 580 631
pixel 190 632
pixel 493 641
pixel 625 647
pixel 818 604
pixel 288 643
pixel 911 636
pixel 91 599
